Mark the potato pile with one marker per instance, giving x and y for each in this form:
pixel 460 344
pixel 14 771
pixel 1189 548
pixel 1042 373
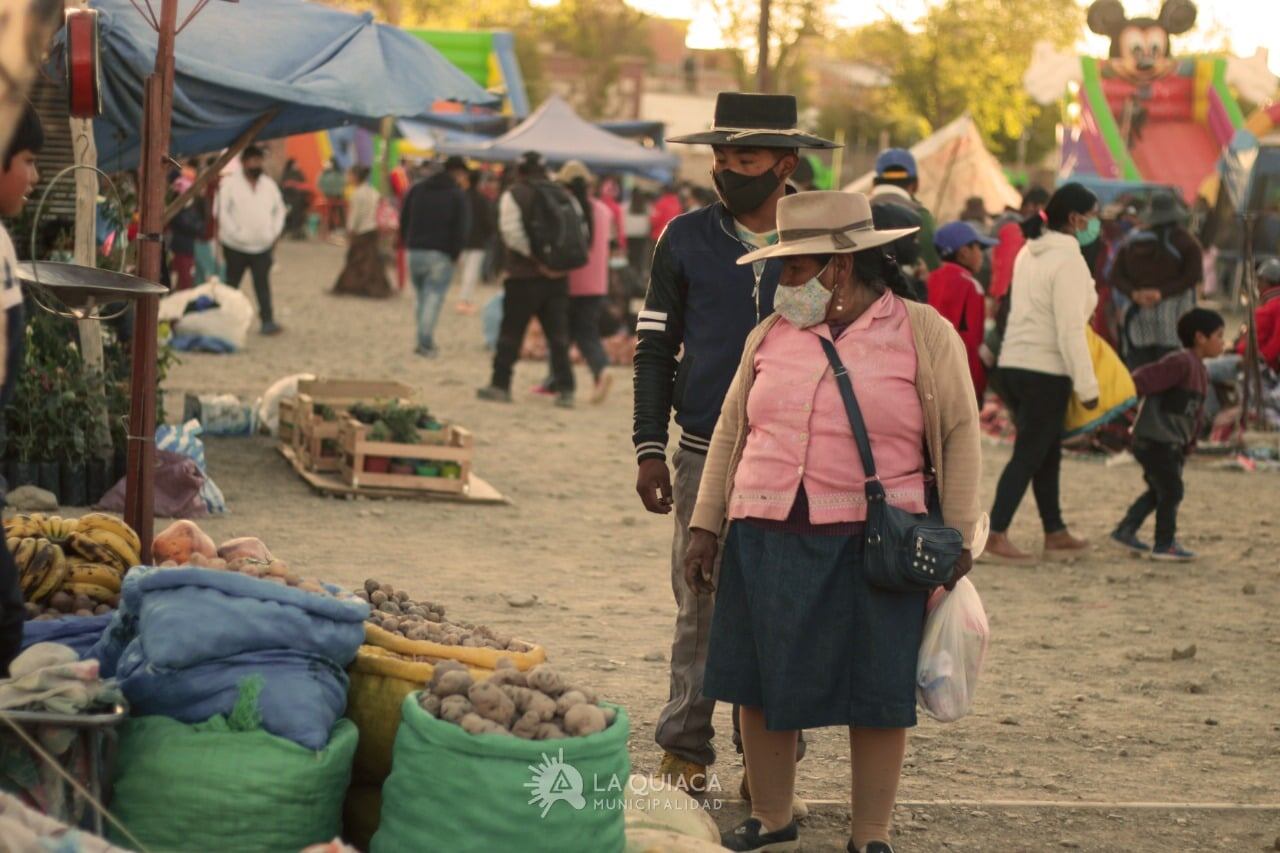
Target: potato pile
pixel 64 603
pixel 394 611
pixel 534 705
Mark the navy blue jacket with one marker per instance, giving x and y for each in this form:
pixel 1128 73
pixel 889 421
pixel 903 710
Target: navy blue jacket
pixel 700 300
pixel 436 215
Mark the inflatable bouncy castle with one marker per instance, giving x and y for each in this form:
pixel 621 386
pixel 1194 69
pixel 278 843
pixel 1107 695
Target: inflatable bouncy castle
pixel 1142 114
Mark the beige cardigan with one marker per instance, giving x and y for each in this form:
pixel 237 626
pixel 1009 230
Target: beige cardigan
pixel 950 423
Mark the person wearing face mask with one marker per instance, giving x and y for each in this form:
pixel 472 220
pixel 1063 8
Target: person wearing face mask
pixel 1157 269
pixel 800 637
pixel 958 296
pixel 1044 359
pixel 700 307
pixel 251 214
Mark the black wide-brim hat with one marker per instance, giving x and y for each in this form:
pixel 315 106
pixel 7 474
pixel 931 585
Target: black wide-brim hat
pixel 755 121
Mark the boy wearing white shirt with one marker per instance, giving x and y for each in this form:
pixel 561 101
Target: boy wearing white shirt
pixel 18 176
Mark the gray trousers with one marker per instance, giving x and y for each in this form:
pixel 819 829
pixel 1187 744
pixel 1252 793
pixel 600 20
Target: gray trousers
pixel 684 725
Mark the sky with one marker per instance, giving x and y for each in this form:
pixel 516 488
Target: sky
pixel 1248 24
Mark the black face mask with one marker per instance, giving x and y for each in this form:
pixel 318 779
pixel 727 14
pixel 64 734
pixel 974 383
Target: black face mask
pixel 745 193
pixel 254 173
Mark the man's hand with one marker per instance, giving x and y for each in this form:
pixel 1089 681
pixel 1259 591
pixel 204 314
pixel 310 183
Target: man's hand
pixel 964 565
pixel 1147 297
pixel 653 484
pixel 547 272
pixel 1090 405
pixel 700 561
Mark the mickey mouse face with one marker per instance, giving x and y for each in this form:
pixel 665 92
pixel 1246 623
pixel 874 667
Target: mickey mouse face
pixel 1144 46
pixel 1140 46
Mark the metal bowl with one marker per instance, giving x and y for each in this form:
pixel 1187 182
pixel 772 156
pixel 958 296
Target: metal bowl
pixel 80 287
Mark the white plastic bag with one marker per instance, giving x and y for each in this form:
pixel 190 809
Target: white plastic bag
pixel 229 321
pixel 951 653
pixel 268 404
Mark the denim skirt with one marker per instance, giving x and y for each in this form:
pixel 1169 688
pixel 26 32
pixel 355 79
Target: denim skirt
pixel 798 631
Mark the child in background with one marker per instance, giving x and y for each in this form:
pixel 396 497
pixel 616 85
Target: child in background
pixel 18 176
pixel 1173 392
pixel 184 230
pixel 956 294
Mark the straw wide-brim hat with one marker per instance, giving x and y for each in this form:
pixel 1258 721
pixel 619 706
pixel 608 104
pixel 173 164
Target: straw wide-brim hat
pixel 825 223
pixel 574 169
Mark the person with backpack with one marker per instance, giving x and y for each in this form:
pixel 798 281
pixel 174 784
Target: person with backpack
pixel 894 206
pixel 699 310
pixel 545 233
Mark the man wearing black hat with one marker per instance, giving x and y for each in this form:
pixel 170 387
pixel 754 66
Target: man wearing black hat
pixel 699 309
pixel 1157 268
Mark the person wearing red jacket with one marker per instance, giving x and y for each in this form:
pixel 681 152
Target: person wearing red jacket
pixel 956 294
pixel 665 209
pixel 1267 315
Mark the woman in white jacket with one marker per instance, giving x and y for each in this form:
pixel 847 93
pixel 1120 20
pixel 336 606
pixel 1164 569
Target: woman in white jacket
pixel 1044 357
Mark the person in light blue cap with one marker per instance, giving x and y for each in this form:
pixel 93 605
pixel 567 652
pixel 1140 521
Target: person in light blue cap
pixel 958 296
pixel 896 182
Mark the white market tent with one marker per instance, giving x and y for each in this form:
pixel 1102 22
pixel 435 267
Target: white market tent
pixel 954 166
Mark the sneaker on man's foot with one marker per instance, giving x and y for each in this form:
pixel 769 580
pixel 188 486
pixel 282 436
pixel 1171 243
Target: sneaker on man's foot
pixel 750 835
pixel 1175 553
pixel 601 389
pixel 271 328
pixel 543 389
pixel 564 400
pixel 688 776
pixel 1129 541
pixel 494 394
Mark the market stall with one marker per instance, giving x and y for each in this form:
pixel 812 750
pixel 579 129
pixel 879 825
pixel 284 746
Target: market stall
pixel 259 707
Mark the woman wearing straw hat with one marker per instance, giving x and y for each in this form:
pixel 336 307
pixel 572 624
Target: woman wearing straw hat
pixel 800 639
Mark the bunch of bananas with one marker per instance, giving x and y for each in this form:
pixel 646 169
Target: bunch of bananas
pixel 86 558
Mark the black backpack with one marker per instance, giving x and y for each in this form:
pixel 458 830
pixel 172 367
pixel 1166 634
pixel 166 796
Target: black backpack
pixel 557 230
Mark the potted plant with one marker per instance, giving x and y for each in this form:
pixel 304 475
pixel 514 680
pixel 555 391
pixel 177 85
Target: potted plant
pixel 404 467
pixel 402 421
pixel 378 464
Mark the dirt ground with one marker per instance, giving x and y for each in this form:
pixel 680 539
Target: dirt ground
pixel 1082 711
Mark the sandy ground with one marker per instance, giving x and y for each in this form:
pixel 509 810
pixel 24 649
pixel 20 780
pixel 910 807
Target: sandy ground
pixel 1080 703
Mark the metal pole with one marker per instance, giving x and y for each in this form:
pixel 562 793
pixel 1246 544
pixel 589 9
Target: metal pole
pixel 763 81
pixel 157 106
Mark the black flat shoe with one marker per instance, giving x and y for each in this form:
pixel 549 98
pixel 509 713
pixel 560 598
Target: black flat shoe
pixel 872 847
pixel 747 836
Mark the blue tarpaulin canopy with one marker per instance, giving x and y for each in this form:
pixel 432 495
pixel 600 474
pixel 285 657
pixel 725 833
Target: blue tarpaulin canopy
pixel 560 135
pixel 321 68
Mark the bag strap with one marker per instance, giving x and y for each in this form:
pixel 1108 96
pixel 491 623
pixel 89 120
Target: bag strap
pixel 874 488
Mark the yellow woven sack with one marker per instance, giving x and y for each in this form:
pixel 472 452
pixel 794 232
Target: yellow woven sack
pixel 360 812
pixel 1116 391
pixel 381 677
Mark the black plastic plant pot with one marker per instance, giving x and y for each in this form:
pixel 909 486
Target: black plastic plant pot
pixel 97 473
pixel 24 474
pixel 48 477
pixel 74 484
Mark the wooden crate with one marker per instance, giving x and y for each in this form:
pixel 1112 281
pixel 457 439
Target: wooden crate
pixel 451 444
pixel 288 430
pixel 311 431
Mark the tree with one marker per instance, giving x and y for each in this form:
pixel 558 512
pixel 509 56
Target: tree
pixel 598 32
pixel 791 23
pixel 964 56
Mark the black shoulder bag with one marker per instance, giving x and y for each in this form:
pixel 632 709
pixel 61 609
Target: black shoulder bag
pixel 905 552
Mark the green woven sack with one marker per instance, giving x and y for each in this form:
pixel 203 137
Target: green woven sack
pixel 210 787
pixel 449 790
